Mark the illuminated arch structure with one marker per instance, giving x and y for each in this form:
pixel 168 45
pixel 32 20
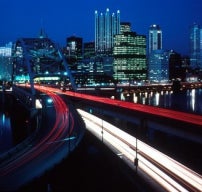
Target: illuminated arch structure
pixel 39 60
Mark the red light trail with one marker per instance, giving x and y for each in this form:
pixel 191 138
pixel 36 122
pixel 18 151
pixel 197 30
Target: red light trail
pixel 26 163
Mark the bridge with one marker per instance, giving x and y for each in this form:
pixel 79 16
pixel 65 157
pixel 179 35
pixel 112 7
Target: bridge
pixel 39 60
pixel 38 68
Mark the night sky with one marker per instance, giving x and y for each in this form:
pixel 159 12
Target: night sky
pixel 63 18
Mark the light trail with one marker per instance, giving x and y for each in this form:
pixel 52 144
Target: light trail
pixel 170 174
pixel 171 114
pixel 27 163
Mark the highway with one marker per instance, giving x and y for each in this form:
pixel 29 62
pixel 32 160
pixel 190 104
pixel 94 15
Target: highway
pixel 171 114
pixel 168 173
pixel 31 159
pixel 161 112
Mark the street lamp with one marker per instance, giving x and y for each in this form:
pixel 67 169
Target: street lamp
pixel 102 130
pixel 136 159
pixel 69 131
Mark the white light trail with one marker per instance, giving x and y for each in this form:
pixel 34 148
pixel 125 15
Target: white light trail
pixel 125 144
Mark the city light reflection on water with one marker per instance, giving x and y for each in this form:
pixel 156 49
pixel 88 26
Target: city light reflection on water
pixel 5 132
pixel 189 101
pixel 192 100
pixel 156 101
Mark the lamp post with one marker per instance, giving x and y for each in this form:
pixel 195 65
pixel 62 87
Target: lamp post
pixel 69 144
pixel 136 158
pixel 102 124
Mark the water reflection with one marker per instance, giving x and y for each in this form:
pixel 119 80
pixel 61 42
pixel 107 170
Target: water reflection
pixel 189 100
pixel 5 132
pixel 15 122
pixel 192 100
pixel 156 101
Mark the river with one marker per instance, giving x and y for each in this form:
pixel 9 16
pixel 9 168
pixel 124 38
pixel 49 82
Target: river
pixel 189 101
pixel 13 122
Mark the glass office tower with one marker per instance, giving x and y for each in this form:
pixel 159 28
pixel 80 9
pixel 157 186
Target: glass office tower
pixel 157 57
pixel 196 46
pixel 6 62
pixel 106 26
pixel 159 66
pixel 74 52
pixel 155 38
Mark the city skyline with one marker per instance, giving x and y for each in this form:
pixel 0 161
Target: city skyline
pixel 63 19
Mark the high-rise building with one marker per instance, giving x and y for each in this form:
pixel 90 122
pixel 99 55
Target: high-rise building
pixel 89 50
pixel 106 26
pixel 129 56
pixel 125 27
pixel 6 62
pixel 75 45
pixel 196 46
pixel 74 51
pixel 158 66
pixel 178 66
pixel 158 59
pixel 155 38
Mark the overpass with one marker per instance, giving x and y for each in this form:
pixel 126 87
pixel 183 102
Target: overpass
pixel 164 172
pixel 145 118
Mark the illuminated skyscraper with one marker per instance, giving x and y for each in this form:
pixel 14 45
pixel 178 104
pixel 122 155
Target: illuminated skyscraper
pixel 74 51
pixel 155 38
pixel 157 58
pixel 129 55
pixel 125 27
pixel 6 62
pixel 89 50
pixel 196 46
pixel 75 47
pixel 158 66
pixel 106 26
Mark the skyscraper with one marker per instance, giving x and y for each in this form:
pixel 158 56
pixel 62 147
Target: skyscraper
pixel 125 27
pixel 155 38
pixel 89 50
pixel 75 45
pixel 106 26
pixel 74 50
pixel 158 66
pixel 196 46
pixel 129 55
pixel 6 62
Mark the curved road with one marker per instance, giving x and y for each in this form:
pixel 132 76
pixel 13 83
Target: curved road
pixel 34 158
